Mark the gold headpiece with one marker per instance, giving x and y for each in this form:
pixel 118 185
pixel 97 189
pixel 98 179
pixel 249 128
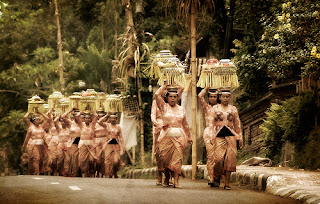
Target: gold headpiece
pixel 113 115
pixel 213 91
pixel 172 89
pixel 225 90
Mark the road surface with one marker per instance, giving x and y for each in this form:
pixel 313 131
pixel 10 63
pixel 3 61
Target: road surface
pixel 54 189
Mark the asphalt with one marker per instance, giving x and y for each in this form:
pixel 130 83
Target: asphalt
pixel 59 190
pixel 299 184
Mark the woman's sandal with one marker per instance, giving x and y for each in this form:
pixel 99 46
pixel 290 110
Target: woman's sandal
pixel 213 184
pixel 165 185
pixel 158 183
pixel 227 187
pixel 176 186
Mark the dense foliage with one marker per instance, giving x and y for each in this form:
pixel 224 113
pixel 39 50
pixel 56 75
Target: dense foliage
pixel 281 44
pixel 293 120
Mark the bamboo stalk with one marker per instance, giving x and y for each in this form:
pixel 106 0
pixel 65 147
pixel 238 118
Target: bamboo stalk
pixel 134 154
pixel 152 151
pixel 139 83
pixel 194 89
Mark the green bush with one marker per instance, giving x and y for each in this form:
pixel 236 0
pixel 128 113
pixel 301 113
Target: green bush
pixel 273 139
pixel 308 157
pixel 12 135
pixel 292 120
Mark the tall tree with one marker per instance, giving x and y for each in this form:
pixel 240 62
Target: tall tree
pixel 59 42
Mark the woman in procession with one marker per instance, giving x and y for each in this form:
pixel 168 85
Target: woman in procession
pixel 100 140
pixel 62 127
pixel 114 146
pixel 37 146
pixel 208 131
pixel 157 124
pixel 227 132
pixel 86 143
pixel 72 143
pixel 174 135
pixel 53 140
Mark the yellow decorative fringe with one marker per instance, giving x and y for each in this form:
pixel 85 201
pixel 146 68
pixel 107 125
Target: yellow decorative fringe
pixel 218 76
pixel 167 67
pixel 173 73
pixel 158 62
pixel 113 103
pixel 88 103
pixel 154 71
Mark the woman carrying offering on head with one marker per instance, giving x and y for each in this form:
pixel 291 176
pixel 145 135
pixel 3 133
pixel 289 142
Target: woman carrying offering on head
pixel 100 140
pixel 114 145
pixel 174 135
pixel 157 126
pixel 72 144
pixel 227 131
pixel 63 129
pixel 86 143
pixel 37 145
pixel 208 131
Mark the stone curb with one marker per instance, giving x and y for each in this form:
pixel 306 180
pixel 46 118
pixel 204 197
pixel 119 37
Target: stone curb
pixel 264 182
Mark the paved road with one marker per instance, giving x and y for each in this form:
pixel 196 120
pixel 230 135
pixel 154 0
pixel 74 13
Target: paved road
pixel 52 189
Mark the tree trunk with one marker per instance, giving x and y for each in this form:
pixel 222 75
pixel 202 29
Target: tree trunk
pixel 194 89
pixel 130 36
pixel 229 30
pixel 59 41
pixel 130 67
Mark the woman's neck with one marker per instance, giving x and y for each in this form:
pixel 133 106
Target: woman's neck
pixel 224 105
pixel 212 104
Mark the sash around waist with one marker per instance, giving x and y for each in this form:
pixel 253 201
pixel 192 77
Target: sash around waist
pixel 174 132
pixel 38 141
pixel 86 142
pixel 100 138
pixel 175 125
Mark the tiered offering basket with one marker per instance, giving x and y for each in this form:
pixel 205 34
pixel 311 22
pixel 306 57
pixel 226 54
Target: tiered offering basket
pixel 54 99
pixel 216 74
pixel 74 100
pixel 88 101
pixel 113 103
pixel 35 104
pixel 101 99
pixel 167 68
pixel 63 106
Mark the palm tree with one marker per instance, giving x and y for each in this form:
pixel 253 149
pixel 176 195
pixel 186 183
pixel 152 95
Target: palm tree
pixel 186 8
pixel 97 68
